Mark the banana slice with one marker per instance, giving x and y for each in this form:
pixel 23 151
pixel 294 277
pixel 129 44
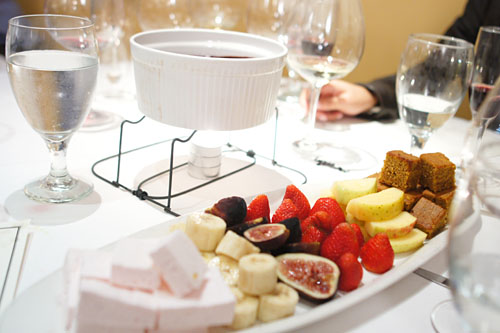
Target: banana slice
pixel 258 274
pixel 205 230
pixel 278 304
pixel 235 246
pixel 227 266
pixel 245 312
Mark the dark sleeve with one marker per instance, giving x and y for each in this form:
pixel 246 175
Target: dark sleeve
pixel 384 91
pixel 474 16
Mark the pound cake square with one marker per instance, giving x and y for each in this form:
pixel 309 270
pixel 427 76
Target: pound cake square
pixel 443 198
pixel 410 198
pixel 438 172
pixel 401 170
pixel 431 218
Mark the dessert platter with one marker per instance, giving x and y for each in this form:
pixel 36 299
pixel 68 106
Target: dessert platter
pixel 256 233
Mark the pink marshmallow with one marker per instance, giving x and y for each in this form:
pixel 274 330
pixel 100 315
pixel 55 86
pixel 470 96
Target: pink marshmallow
pixel 132 265
pixel 103 304
pixel 180 263
pixel 83 328
pixel 212 305
pixel 192 330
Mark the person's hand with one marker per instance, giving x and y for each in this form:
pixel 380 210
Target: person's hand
pixel 339 98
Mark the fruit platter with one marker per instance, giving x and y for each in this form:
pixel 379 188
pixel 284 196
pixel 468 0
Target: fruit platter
pixel 268 263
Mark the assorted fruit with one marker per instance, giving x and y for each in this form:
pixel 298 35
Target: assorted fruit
pixel 302 250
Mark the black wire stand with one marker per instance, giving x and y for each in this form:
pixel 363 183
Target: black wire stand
pixel 154 199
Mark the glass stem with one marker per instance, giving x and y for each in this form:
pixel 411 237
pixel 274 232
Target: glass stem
pixel 313 108
pixel 58 175
pixel 417 145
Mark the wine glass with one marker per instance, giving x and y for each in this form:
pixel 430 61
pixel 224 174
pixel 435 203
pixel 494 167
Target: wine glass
pixel 269 18
pixel 108 17
pixel 432 79
pixel 325 40
pixel 52 66
pixel 162 14
pixel 486 71
pixel 218 14
pixel 473 256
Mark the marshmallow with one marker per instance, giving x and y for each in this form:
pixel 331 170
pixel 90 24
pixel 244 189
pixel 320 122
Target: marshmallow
pixel 85 328
pixel 132 265
pixel 212 305
pixel 192 330
pixel 180 263
pixel 102 304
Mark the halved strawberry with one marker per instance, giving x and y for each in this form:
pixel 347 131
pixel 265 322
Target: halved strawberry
pixel 340 241
pixel 351 272
pixel 259 207
pixel 359 234
pixel 377 255
pixel 285 211
pixel 299 200
pixel 333 209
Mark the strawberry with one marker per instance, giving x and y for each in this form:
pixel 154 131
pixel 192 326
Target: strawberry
pixel 308 222
pixel 333 209
pixel 351 272
pixel 377 255
pixel 285 211
pixel 340 241
pixel 359 234
pixel 299 200
pixel 313 234
pixel 259 207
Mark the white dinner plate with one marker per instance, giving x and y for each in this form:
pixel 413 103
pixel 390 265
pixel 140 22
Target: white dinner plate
pixel 39 308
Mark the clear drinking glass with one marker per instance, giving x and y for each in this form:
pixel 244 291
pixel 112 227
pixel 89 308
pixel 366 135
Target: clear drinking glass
pixel 108 17
pixel 218 14
pixel 52 65
pixel 473 251
pixel 432 79
pixel 162 14
pixel 486 71
pixel 325 40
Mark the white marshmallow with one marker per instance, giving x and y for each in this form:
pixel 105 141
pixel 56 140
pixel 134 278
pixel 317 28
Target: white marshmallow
pixel 132 265
pixel 180 263
pixel 212 305
pixel 103 304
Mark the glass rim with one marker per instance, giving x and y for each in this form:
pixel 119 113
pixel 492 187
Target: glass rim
pixel 490 28
pixel 14 21
pixel 425 38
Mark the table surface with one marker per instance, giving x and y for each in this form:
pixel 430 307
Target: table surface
pixel 109 214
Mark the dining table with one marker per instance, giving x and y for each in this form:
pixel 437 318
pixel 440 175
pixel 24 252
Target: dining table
pixel 111 212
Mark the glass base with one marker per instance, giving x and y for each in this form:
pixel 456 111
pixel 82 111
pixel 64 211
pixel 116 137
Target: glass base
pixel 342 158
pixel 70 190
pixel 100 121
pixel 446 319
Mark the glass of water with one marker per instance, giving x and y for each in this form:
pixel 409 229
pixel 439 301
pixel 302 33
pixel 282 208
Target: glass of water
pixel 432 80
pixel 52 66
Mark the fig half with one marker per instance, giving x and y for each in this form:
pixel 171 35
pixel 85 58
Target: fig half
pixel 314 277
pixel 232 210
pixel 268 236
pixel 240 228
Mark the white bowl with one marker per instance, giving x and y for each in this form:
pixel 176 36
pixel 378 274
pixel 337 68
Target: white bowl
pixel 181 79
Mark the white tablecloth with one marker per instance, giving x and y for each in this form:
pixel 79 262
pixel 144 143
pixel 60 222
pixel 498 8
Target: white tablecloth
pixel 110 214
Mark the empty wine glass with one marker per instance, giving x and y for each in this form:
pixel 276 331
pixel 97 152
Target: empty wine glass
pixel 269 18
pixel 108 17
pixel 218 14
pixel 163 14
pixel 325 40
pixel 473 251
pixel 432 79
pixel 486 71
pixel 52 66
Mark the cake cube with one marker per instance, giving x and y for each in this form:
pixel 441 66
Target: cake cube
pixel 431 218
pixel 380 186
pixel 438 172
pixel 211 305
pixel 132 265
pixel 443 198
pixel 180 263
pixel 410 198
pixel 401 170
pixel 102 304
